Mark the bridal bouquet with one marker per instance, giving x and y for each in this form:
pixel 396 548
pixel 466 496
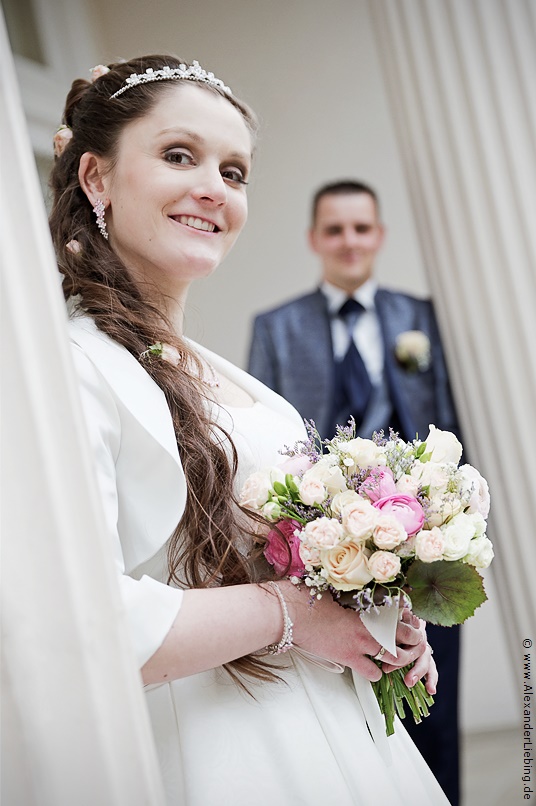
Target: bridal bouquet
pixel 379 524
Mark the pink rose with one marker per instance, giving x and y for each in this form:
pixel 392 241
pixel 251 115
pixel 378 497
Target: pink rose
pixel 282 549
pixel 296 465
pixel 379 484
pixel 312 491
pixel 322 533
pixel 405 508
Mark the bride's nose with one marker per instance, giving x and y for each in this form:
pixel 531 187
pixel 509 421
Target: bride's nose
pixel 210 186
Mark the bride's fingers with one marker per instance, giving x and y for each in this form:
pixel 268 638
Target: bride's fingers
pixel 424 667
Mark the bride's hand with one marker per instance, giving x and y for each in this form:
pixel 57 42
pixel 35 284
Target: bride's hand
pixel 424 666
pixel 338 634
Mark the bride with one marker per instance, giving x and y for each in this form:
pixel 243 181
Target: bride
pixel 150 193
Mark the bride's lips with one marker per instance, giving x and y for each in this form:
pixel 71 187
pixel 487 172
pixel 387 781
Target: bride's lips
pixel 196 223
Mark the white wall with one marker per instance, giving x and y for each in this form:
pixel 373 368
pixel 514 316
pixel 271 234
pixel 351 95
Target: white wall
pixel 311 73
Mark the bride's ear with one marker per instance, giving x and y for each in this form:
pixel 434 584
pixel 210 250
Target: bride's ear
pixel 92 177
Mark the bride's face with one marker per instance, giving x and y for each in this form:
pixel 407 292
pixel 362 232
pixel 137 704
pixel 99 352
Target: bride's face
pixel 177 189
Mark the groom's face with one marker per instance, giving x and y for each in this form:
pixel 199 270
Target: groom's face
pixel 347 235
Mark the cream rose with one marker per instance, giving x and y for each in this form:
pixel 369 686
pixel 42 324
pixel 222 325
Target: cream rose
pixel 443 445
pixel 312 491
pixel 429 545
pixel 346 566
pixel 384 566
pixel 257 488
pixel 480 552
pixel 362 452
pixel 388 532
pixel 433 475
pixel 407 485
pixel 329 473
pixel 322 533
pixel 359 519
pixel 342 499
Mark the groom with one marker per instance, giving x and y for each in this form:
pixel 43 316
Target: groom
pixel 351 348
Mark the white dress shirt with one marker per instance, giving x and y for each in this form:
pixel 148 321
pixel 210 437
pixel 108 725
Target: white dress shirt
pixel 367 333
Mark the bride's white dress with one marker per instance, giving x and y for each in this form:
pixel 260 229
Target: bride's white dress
pixel 302 742
pixel 314 739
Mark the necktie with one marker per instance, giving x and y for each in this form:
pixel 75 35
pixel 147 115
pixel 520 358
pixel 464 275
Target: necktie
pixel 352 386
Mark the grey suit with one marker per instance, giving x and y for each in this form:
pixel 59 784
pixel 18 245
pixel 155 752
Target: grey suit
pixel 291 351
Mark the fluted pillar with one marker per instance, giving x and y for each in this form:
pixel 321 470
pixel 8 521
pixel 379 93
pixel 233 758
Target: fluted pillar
pixel 74 724
pixel 461 81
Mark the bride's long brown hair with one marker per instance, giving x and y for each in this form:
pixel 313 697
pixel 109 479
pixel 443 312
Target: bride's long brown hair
pixel 204 549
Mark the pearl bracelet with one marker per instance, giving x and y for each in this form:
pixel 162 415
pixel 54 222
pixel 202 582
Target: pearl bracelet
pixel 286 639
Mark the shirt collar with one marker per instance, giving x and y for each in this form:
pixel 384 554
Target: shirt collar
pixel 336 296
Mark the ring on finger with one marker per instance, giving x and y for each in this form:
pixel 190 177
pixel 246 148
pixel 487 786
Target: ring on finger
pixel 381 652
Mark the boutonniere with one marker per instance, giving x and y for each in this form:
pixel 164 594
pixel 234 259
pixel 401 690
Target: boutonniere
pixel 412 351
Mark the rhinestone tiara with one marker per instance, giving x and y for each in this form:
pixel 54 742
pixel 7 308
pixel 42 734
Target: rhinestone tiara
pixel 189 72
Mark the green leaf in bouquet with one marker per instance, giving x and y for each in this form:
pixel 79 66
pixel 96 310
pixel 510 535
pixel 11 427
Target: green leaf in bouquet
pixel 280 489
pixel 444 592
pixel 292 486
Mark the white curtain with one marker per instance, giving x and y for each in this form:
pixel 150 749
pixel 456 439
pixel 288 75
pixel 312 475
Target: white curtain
pixel 74 724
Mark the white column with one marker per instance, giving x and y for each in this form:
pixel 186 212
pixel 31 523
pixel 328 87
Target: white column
pixel 461 81
pixel 74 724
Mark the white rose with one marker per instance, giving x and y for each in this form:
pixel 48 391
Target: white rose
pixel 359 519
pixel 440 508
pixel 346 566
pixel 309 555
pixel 384 566
pixel 443 445
pixel 341 499
pixel 479 524
pixel 388 532
pixel 322 533
pixel 433 475
pixel 474 490
pixel 407 485
pixel 257 488
pixel 362 452
pixel 429 545
pixel 458 534
pixel 312 491
pixel 329 473
pixel 271 511
pixel 413 348
pixel 480 552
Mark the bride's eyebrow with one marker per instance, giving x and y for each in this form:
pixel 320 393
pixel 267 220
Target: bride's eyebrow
pixel 183 133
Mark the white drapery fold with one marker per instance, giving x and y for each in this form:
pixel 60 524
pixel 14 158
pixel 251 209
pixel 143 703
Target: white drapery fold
pixel 460 77
pixel 74 723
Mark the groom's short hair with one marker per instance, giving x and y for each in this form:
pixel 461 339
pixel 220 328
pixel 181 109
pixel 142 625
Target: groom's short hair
pixel 343 187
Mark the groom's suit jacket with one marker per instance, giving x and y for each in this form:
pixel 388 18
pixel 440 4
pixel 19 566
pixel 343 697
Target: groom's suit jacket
pixel 291 352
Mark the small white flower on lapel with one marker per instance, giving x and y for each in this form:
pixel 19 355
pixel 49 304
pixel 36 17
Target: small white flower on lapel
pixel 412 351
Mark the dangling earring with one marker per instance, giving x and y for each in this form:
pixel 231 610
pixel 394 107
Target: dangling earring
pixel 101 223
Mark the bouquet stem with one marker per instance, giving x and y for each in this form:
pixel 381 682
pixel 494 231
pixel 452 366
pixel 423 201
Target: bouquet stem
pixel 391 691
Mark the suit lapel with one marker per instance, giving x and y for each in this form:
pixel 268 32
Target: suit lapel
pixel 396 316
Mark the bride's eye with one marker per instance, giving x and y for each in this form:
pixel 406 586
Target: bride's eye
pixel 234 175
pixel 179 157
